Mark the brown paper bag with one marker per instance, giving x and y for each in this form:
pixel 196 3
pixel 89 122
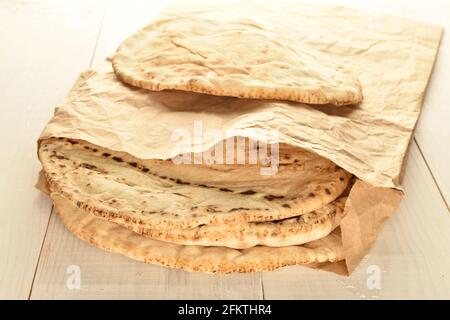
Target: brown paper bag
pixel 393 58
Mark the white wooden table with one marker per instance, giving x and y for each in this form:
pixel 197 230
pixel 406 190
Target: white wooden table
pixel 44 45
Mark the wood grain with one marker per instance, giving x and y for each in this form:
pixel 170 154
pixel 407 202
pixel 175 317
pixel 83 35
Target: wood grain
pixel 43 45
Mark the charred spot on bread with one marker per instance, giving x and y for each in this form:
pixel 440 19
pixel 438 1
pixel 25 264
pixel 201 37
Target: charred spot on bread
pixel 88 166
pixel 272 197
pixel 248 192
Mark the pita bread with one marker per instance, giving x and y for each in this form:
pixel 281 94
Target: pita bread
pixel 115 185
pixel 293 231
pixel 209 52
pixel 112 237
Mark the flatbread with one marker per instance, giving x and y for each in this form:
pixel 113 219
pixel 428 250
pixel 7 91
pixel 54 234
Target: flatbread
pixel 216 53
pixel 293 231
pixel 114 238
pixel 115 185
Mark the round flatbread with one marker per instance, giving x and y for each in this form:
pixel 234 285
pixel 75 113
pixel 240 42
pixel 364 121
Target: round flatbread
pixel 208 52
pixel 292 231
pixel 115 238
pixel 157 194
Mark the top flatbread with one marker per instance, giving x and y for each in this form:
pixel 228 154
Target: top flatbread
pixel 215 53
pixel 157 194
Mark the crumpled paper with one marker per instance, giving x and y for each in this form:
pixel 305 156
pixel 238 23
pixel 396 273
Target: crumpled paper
pixel 393 58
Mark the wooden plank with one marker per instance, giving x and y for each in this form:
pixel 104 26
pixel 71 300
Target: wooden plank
pixel 433 134
pixel 43 45
pixel 109 276
pixel 411 253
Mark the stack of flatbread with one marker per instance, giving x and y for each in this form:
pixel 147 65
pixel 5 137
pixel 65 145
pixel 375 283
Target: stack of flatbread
pixel 209 217
pixel 212 218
